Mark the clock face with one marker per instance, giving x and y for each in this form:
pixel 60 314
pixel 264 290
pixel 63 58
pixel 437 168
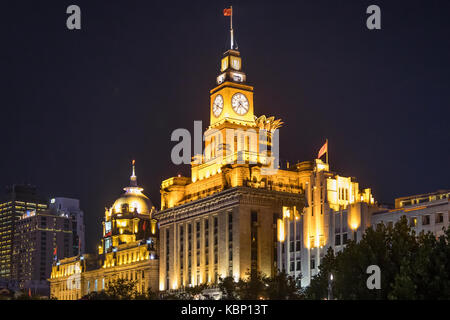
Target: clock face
pixel 235 63
pixel 224 63
pixel 218 105
pixel 239 103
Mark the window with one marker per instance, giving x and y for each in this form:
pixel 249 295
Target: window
pixel 337 240
pixel 313 263
pixel 253 241
pixel 439 217
pixel 337 223
pixel 425 220
pixel 254 216
pixel 167 251
pixel 344 221
pixel 230 243
pixel 413 222
pixel 197 235
pixel 216 239
pixel 345 238
pixel 206 242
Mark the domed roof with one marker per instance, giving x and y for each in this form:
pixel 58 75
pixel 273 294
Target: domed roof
pixel 133 198
pixel 137 201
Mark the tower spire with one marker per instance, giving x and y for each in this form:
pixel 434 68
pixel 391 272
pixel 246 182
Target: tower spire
pixel 133 178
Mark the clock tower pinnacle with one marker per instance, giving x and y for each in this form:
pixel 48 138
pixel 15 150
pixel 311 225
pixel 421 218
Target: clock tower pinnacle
pixel 232 98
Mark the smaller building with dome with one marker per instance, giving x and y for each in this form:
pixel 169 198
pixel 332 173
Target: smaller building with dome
pixel 128 250
pixel 129 218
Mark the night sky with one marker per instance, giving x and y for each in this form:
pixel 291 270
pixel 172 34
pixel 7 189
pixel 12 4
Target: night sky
pixel 78 106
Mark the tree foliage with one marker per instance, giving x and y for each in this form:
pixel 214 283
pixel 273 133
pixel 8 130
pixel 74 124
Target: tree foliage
pixel 119 289
pixel 412 267
pixel 256 286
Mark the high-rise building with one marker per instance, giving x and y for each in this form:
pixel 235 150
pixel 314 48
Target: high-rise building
pixel 39 239
pixel 128 250
pixel 19 201
pixel 71 208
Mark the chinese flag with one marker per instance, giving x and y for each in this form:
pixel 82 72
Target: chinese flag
pixel 323 150
pixel 227 12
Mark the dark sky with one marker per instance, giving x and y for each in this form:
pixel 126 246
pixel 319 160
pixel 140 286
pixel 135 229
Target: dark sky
pixel 77 106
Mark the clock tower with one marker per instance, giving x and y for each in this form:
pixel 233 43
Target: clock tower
pixel 235 138
pixel 232 99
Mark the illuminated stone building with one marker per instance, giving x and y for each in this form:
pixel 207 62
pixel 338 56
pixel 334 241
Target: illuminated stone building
pixel 426 212
pixel 336 211
pixel 240 210
pixel 128 250
pixel 222 220
pixel 19 200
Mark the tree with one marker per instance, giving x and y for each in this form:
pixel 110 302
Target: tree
pixel 152 295
pixel 196 291
pixel 228 287
pixel 257 286
pixel 100 295
pixel 282 287
pixel 412 267
pixel 319 284
pixel 120 289
pixel 253 287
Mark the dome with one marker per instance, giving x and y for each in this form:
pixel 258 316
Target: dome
pixel 133 198
pixel 134 201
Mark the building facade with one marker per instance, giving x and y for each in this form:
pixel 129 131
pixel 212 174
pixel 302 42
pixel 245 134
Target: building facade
pixel 336 211
pixel 128 250
pixel 71 208
pixel 39 238
pixel 18 201
pixel 425 212
pixel 240 211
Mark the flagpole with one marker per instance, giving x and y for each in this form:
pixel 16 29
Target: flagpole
pixel 231 26
pixel 327 151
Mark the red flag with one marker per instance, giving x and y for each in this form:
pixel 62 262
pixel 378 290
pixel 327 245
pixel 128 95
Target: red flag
pixel 323 150
pixel 227 12
pixel 29 292
pixel 55 250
